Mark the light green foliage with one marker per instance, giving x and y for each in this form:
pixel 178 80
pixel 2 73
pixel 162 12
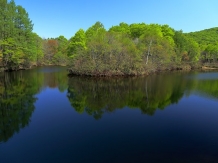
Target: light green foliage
pixel 77 43
pixel 155 45
pixel 205 37
pixel 62 44
pixel 38 42
pixel 207 41
pixel 35 49
pixel 193 50
pixel 107 52
pixel 168 33
pixel 186 48
pixel 93 30
pixel 123 49
pixel 211 51
pixel 155 29
pixel 181 45
pixel 130 49
pixel 12 54
pixel 17 47
pixel 137 29
pixel 122 28
pixel 61 58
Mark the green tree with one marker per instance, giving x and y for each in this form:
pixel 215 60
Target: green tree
pixel 16 30
pixel 77 43
pixel 3 19
pixel 193 50
pixel 61 58
pixel 121 28
pixel 168 33
pixel 137 29
pixel 149 41
pixel 94 29
pixel 211 52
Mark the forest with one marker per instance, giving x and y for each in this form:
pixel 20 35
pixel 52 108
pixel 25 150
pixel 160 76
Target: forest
pixel 124 49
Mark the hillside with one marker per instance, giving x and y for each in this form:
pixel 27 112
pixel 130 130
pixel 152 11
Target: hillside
pixel 206 36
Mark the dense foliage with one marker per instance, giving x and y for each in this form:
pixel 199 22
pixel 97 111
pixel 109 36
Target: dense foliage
pixel 208 43
pixel 124 49
pixel 20 48
pixel 133 49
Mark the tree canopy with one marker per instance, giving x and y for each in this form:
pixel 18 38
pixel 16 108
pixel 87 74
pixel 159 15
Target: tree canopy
pixel 130 49
pixel 123 49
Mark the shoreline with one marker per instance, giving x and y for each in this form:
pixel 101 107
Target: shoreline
pixel 28 68
pixel 208 67
pixel 146 72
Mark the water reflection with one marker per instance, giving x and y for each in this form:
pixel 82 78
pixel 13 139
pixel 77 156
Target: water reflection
pixel 97 96
pixel 17 96
pixel 52 77
pixel 59 132
pixel 16 104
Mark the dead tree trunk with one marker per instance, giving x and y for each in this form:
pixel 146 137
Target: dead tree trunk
pixel 149 51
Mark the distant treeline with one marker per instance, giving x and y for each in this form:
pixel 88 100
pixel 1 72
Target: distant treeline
pixel 124 49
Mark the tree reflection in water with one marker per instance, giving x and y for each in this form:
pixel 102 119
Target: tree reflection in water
pixel 96 96
pixel 17 95
pixel 16 103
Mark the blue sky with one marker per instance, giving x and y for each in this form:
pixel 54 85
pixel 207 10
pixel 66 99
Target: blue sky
pixel 53 18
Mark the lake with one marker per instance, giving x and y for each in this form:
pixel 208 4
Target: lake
pixel 47 117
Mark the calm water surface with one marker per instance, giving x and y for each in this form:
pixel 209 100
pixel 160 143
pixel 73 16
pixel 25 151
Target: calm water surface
pixel 47 117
